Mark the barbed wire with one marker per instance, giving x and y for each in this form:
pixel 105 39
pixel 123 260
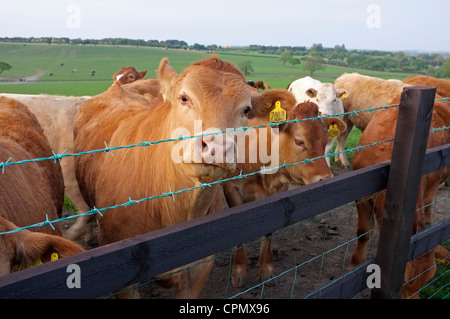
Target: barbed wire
pixel 172 194
pixel 180 138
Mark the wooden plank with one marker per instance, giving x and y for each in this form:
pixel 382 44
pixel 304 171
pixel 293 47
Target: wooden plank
pixel 415 111
pixel 353 282
pixel 345 286
pixel 436 158
pixel 111 267
pixel 429 239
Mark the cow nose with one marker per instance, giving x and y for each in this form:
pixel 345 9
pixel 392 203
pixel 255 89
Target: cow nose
pixel 319 178
pixel 218 149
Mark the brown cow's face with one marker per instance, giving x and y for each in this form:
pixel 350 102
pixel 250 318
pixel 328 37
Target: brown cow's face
pixel 306 140
pixel 205 100
pixel 25 249
pixel 128 75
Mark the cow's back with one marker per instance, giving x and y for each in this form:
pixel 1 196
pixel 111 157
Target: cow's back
pixel 365 92
pixel 32 187
pixel 442 86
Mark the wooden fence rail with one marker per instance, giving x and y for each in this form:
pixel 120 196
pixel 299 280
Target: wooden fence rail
pixel 111 267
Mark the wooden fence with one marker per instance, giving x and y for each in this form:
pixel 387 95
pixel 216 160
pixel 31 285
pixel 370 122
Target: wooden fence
pixel 109 268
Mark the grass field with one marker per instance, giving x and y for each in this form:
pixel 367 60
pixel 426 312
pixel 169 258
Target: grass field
pixel 41 60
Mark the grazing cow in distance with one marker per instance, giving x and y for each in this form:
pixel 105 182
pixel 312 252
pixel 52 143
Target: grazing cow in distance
pixel 364 92
pixel 258 85
pixel 325 95
pixel 380 128
pixel 128 75
pixel 31 193
pixel 211 91
pixel 297 142
pixel 442 86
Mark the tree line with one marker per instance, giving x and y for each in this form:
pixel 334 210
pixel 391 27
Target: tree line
pixel 313 58
pixel 433 64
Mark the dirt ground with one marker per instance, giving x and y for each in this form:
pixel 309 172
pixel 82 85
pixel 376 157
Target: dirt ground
pixel 307 255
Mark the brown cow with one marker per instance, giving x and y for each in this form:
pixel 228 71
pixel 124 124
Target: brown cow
pixel 24 249
pixel 205 91
pixel 382 127
pixel 364 92
pixel 128 74
pixel 56 115
pixel 442 86
pixel 31 193
pixel 297 142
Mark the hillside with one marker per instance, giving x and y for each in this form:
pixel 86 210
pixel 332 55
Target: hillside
pixel 87 69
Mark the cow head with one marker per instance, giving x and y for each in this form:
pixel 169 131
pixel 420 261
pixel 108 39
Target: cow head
pixel 328 98
pixel 300 141
pixel 207 97
pixel 304 141
pixel 128 75
pixel 25 249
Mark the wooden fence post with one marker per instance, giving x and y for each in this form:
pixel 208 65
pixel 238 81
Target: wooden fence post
pixel 413 124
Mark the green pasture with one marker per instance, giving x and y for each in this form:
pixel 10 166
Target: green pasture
pixel 53 64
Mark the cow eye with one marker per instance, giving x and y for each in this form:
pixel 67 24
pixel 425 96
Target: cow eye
pixel 185 100
pixel 300 143
pixel 247 110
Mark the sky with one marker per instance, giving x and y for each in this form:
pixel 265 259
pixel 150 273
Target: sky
pixel 393 25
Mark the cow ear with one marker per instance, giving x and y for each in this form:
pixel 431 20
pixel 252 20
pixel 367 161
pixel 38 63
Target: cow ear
pixel 142 74
pixel 312 93
pixel 167 77
pixel 331 121
pixel 37 248
pixel 264 102
pixel 342 94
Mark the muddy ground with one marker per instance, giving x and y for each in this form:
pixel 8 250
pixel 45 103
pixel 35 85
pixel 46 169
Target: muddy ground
pixel 307 255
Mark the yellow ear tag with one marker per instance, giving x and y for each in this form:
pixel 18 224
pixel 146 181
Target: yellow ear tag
pixel 333 131
pixel 54 257
pixel 343 97
pixel 277 114
pixel 36 263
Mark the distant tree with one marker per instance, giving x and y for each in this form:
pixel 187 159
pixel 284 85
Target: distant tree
pixel 246 67
pixel 313 63
pixel 317 47
pixel 4 67
pixel 285 56
pixel 294 61
pixel 445 69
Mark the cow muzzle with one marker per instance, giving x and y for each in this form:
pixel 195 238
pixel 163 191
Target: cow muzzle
pixel 207 149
